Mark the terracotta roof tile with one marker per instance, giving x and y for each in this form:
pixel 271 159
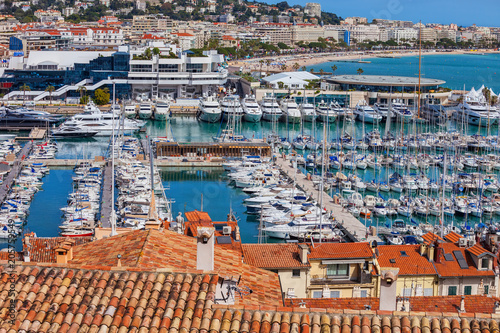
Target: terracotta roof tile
pixel 431 237
pixel 479 251
pixel 340 251
pixel 441 304
pixel 272 256
pixel 405 257
pixel 151 249
pixel 453 237
pixel 451 268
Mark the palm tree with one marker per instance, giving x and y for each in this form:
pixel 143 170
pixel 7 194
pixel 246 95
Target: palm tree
pixel 296 66
pixel 334 68
pixel 50 89
pixel 24 88
pixel 321 71
pixel 283 67
pixel 82 90
pixel 268 62
pixel 303 68
pixel 261 62
pixel 360 71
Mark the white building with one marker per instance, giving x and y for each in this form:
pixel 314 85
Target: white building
pixel 292 80
pixel 361 33
pixel 403 34
pixel 184 77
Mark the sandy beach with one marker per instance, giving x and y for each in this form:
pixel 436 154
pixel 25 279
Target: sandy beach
pixel 313 59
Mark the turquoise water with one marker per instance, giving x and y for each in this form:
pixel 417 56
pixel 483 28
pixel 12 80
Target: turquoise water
pixel 186 186
pixel 470 70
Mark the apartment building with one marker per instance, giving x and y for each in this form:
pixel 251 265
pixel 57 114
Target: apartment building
pixel 427 34
pixel 277 33
pixel 356 20
pixel 306 33
pixel 362 33
pixel 403 34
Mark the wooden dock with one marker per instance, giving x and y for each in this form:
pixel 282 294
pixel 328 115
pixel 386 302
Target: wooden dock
pixel 351 224
pixel 35 134
pixel 14 171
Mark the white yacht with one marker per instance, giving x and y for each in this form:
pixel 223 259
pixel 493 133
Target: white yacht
pixel 291 111
pixel 325 113
pixel 92 119
pixel 400 111
pixel 130 111
pixel 209 110
pixel 270 109
pixel 162 110
pixel 382 109
pixel 251 109
pixel 231 108
pixel 145 111
pixel 366 114
pixel 476 113
pixel 308 112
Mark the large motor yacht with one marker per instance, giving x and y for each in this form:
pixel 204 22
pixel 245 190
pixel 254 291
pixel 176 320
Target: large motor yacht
pixel 209 110
pixel 291 111
pixel 366 114
pixel 93 119
pixel 270 109
pixel 252 110
pixel 231 108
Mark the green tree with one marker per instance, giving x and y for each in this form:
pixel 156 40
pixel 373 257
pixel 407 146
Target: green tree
pixel 303 68
pixel 101 97
pixel 280 84
pixel 321 71
pixel 83 92
pixel 360 71
pixel 84 99
pixel 24 88
pixel 156 51
pixel 147 53
pixel 296 66
pixel 283 67
pixel 50 89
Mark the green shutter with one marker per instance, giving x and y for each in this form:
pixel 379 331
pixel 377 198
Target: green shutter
pixel 468 290
pixel 452 290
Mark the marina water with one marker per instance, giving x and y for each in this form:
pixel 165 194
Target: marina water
pixel 186 186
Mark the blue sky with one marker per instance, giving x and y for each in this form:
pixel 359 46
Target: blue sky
pixel 461 12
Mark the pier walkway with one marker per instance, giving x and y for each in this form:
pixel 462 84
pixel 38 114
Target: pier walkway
pixel 14 171
pixel 107 202
pixel 161 162
pixel 351 224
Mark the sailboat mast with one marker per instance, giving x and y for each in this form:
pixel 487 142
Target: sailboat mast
pixel 321 184
pixel 419 64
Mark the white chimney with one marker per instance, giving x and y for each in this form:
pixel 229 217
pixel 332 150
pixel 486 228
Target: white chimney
pixel 205 249
pixel 388 290
pixel 303 251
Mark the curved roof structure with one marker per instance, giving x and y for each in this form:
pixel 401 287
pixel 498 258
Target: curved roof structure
pixel 384 80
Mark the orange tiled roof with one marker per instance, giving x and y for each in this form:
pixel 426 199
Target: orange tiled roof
pixel 407 258
pixel 182 34
pixel 6 255
pixel 479 251
pixel 149 249
pixel 341 250
pixel 449 304
pixel 71 300
pixel 41 249
pixel 453 237
pixel 227 37
pixel 59 299
pixel 431 237
pixel 197 216
pixel 452 268
pixel 272 256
